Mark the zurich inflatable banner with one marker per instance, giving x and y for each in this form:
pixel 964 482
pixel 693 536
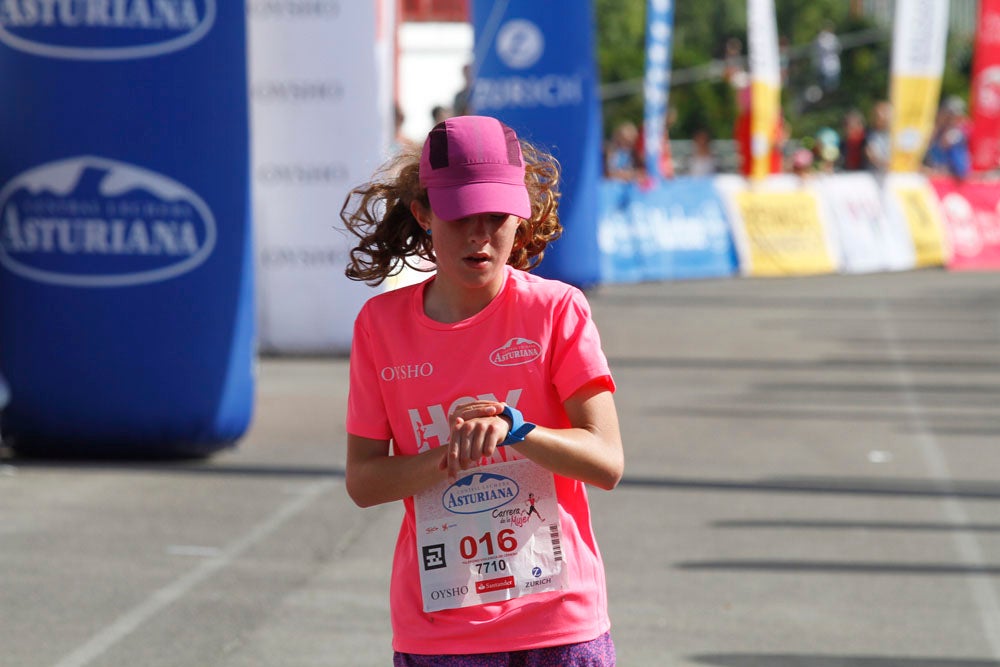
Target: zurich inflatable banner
pixel 126 292
pixel 535 70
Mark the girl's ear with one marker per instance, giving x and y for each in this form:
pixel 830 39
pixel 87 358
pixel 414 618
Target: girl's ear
pixel 521 235
pixel 421 214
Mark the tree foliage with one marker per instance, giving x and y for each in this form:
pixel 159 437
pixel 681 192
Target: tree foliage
pixel 701 30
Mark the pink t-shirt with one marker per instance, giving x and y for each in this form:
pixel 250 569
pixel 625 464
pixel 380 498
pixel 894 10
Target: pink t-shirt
pixel 532 347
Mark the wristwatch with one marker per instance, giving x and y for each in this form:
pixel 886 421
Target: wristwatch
pixel 518 427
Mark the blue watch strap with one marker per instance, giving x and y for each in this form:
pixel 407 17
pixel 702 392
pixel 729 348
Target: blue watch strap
pixel 518 427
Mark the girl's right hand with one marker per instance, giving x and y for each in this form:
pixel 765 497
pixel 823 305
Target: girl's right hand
pixel 476 431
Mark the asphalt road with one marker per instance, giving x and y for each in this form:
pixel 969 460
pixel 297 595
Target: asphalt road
pixel 813 480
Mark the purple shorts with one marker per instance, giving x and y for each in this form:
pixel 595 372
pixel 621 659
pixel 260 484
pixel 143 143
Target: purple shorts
pixel 597 653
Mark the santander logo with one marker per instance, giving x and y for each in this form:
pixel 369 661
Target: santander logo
pixel 516 351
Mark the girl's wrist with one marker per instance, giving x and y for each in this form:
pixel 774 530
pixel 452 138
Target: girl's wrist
pixel 519 428
pixel 508 421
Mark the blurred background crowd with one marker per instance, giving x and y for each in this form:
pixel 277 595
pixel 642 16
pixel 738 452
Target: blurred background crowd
pixel 835 69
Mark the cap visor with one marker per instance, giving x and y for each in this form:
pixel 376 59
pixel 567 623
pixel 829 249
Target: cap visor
pixel 474 198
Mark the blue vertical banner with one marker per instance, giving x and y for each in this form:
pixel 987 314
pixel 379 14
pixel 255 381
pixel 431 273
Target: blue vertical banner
pixel 656 82
pixel 535 70
pixel 126 287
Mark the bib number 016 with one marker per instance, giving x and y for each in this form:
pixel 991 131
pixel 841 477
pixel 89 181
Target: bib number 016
pixel 505 541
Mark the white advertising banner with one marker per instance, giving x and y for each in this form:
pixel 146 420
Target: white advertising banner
pixel 853 202
pixel 321 123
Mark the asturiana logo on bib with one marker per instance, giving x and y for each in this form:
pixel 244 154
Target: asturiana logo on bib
pixel 479 492
pixel 104 29
pixel 516 351
pixel 93 222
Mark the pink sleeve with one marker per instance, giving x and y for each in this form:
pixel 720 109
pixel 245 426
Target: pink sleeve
pixel 577 355
pixel 366 413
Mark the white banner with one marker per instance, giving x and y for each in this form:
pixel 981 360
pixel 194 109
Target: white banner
pixel 920 32
pixel 853 202
pixel 321 119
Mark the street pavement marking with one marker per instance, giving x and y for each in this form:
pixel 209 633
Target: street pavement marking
pixel 193 550
pixel 966 544
pixel 128 622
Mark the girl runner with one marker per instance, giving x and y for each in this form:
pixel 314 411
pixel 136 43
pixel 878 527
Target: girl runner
pixel 478 377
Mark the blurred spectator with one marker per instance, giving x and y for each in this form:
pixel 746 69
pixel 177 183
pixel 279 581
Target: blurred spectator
pixel 666 157
pixel 877 141
pixel 853 141
pixel 802 162
pixel 784 58
pixel 948 152
pixel 439 114
pixel 826 58
pixel 702 161
pixel 400 141
pixel 735 64
pixel 622 159
pixel 827 149
pixel 462 104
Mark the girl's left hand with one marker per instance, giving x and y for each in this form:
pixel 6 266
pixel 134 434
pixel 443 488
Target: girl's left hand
pixel 476 430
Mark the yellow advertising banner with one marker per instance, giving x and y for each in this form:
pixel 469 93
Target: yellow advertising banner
pixel 924 221
pixel 784 234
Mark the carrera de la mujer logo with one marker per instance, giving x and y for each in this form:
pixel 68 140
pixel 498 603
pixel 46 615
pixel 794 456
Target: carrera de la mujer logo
pixel 94 222
pixel 479 492
pixel 104 29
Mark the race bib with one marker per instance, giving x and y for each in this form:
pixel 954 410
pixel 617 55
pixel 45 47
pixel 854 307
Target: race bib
pixel 493 534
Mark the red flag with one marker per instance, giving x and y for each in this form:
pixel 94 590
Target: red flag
pixel 984 138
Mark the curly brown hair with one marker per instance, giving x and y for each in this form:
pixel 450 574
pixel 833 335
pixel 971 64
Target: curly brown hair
pixel 378 213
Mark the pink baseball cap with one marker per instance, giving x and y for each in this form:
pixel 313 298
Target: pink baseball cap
pixel 473 164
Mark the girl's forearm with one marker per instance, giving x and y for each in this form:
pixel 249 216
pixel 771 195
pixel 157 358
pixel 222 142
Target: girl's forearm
pixel 590 456
pixel 374 480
